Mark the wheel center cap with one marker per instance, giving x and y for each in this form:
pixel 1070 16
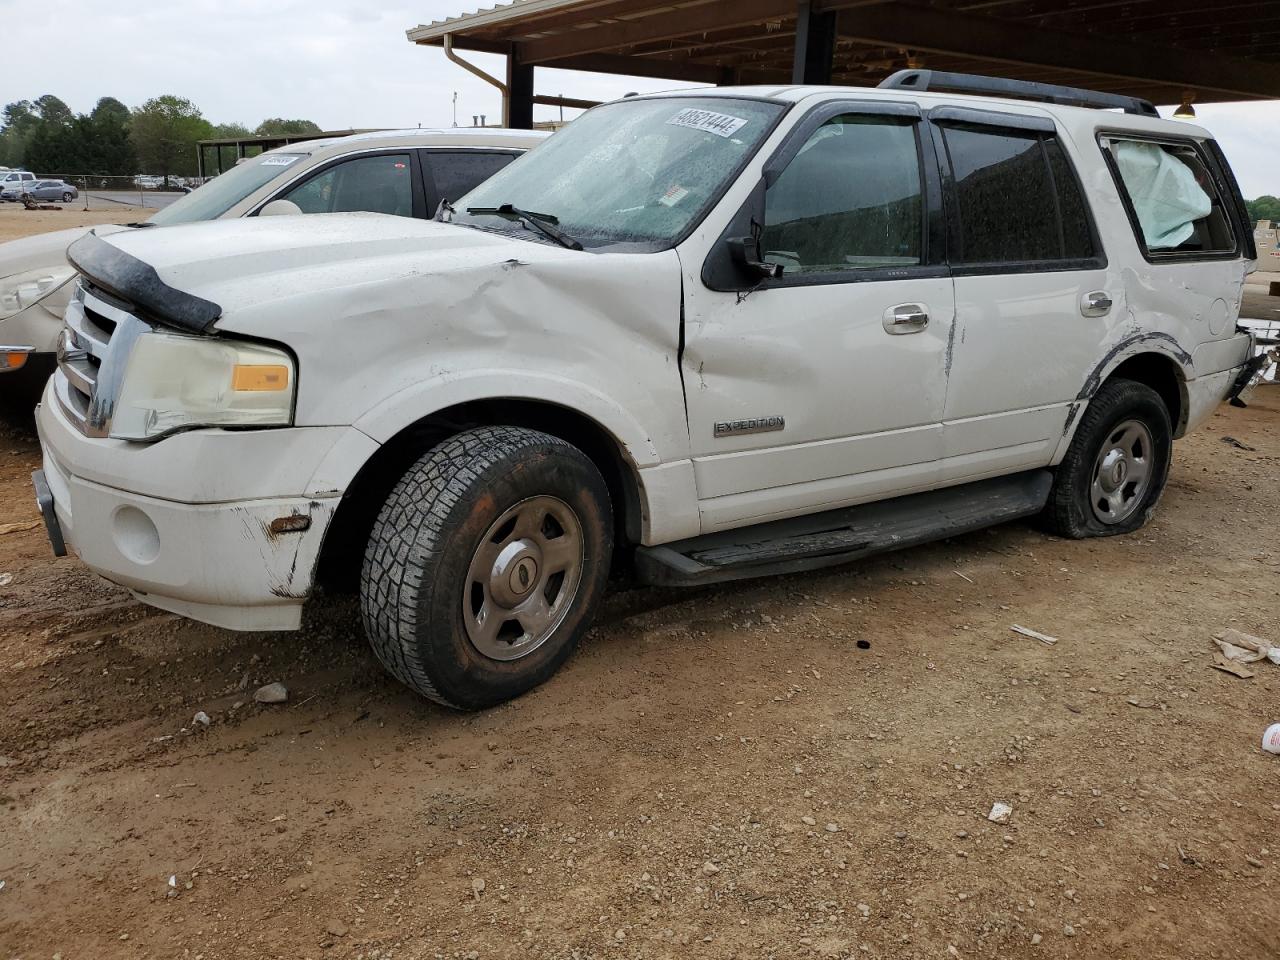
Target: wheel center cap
pixel 515 572
pixel 524 575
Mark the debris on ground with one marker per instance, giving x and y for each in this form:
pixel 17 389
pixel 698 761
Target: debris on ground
pixel 1237 444
pixel 1233 667
pixel 1271 739
pixel 271 693
pixel 6 579
pixel 201 718
pixel 18 527
pixel 1000 812
pixel 1245 648
pixel 1035 635
pixel 477 887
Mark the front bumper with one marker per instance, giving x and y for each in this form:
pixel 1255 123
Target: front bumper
pixel 241 559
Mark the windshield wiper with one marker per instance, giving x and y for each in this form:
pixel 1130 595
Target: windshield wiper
pixel 139 224
pixel 544 223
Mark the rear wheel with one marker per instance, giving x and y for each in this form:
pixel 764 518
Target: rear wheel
pixel 1115 470
pixel 485 565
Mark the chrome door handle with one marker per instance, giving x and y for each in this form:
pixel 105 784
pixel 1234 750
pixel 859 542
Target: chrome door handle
pixel 1098 303
pixel 906 318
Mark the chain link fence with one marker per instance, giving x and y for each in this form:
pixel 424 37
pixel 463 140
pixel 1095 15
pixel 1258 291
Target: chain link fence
pixel 95 192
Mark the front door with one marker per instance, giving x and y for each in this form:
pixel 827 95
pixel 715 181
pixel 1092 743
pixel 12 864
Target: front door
pixel 825 387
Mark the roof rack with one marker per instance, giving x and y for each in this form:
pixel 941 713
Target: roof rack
pixel 922 80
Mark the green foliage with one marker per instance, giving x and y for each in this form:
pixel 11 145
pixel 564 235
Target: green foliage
pixel 1265 207
pixel 225 131
pixel 277 126
pixel 158 137
pixel 165 130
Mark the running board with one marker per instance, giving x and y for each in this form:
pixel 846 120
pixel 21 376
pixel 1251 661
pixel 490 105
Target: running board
pixel 838 536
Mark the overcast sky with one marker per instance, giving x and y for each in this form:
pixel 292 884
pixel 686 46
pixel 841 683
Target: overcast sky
pixel 347 64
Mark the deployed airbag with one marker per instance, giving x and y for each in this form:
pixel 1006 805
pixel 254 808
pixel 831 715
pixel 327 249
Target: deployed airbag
pixel 1164 193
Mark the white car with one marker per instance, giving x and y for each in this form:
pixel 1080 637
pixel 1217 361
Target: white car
pixel 725 332
pixel 13 183
pixel 404 172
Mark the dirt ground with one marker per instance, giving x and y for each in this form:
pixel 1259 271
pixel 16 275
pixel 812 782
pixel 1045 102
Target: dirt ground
pixel 717 773
pixel 17 221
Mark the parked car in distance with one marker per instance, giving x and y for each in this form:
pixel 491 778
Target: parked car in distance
pixel 401 172
pixel 51 190
pixel 723 332
pixel 12 183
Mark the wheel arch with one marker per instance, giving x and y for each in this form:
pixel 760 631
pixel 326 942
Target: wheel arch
pixel 1162 374
pixel 1154 359
pixel 338 567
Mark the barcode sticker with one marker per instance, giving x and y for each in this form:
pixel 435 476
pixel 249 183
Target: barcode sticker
pixel 279 161
pixel 721 124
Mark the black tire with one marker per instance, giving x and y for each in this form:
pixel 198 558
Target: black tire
pixel 67 198
pixel 1070 511
pixel 418 562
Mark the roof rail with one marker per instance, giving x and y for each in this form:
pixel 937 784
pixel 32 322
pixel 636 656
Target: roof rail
pixel 923 80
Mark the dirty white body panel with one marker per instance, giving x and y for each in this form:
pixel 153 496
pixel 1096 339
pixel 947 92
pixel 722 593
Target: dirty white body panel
pixel 392 320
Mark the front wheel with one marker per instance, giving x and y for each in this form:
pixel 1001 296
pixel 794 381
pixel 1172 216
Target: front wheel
pixel 1116 468
pixel 485 565
pixel 67 198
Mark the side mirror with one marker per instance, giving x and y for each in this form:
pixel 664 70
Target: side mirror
pixel 746 253
pixel 280 208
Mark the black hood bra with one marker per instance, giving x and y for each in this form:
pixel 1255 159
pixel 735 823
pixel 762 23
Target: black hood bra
pixel 112 270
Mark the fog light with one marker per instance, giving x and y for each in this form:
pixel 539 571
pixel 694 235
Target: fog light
pixel 135 535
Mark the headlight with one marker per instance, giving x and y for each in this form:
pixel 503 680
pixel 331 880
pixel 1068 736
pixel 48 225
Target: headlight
pixel 174 382
pixel 23 289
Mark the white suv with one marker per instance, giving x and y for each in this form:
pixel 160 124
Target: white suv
pixel 723 332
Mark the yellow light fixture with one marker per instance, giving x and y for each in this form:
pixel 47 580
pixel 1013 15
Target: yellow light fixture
pixel 1186 111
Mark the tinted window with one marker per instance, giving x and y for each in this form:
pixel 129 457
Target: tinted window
pixel 460 171
pixel 1077 237
pixel 376 184
pixel 849 200
pixel 1004 205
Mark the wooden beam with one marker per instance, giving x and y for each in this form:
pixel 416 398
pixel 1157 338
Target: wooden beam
pixel 669 25
pixel 646 67
pixel 922 28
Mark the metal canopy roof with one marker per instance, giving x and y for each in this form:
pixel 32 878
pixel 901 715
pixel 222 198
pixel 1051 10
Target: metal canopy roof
pixel 1156 49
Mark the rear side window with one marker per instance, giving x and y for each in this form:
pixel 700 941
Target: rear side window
pixel 458 172
pixel 1014 199
pixel 1171 197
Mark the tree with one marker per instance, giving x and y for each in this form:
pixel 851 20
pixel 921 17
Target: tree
pixel 1265 207
pixel 226 131
pixel 278 126
pixel 109 108
pixel 53 111
pixel 165 131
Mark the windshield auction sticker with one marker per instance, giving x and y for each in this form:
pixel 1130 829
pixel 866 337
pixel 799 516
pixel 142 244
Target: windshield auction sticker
pixel 279 161
pixel 721 124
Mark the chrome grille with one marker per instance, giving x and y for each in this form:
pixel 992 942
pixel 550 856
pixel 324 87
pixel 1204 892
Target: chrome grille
pixel 92 353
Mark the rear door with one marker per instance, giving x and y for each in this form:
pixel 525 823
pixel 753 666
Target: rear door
pixel 1031 288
